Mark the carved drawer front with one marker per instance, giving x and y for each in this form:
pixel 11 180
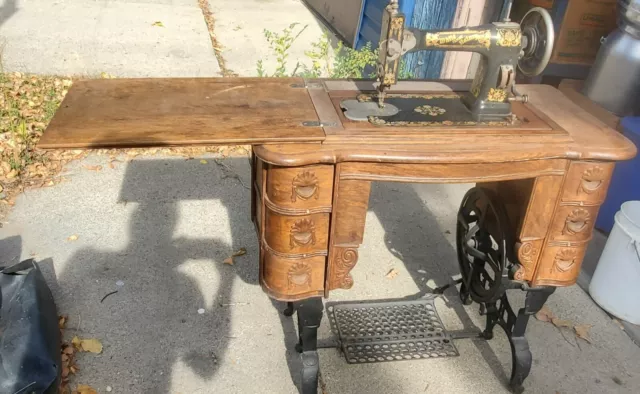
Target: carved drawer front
pixel 287 278
pixel 560 264
pixel 303 234
pixel 573 223
pixel 587 182
pixel 300 187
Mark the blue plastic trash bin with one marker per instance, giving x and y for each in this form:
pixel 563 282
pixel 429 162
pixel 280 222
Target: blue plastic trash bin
pixel 625 182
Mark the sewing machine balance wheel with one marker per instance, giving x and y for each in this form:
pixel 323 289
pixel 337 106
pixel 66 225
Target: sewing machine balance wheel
pixel 537 41
pixel 483 247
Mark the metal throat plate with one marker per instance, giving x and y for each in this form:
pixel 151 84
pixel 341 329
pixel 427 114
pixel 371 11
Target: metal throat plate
pixel 435 110
pixel 390 331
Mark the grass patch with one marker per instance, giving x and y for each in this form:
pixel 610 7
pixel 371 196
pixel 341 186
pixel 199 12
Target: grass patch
pixel 27 104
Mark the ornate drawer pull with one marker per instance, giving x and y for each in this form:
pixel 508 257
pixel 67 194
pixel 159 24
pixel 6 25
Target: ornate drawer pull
pixel 565 259
pixel 299 275
pixel 577 221
pixel 303 232
pixel 592 179
pixel 305 186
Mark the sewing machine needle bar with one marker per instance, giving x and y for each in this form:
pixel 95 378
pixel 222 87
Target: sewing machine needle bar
pixel 390 331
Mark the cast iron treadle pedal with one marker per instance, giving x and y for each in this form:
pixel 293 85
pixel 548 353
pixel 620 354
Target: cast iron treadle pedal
pixel 390 331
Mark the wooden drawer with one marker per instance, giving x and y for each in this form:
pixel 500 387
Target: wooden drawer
pixel 300 187
pixel 286 279
pixel 303 234
pixel 258 219
pixel 573 223
pixel 259 164
pixel 587 182
pixel 560 264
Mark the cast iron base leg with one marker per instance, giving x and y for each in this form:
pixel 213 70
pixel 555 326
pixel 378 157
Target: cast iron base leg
pixel 501 313
pixel 309 318
pixel 289 310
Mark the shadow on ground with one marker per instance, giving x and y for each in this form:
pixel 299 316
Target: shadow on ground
pixel 7 10
pixel 413 234
pixel 172 266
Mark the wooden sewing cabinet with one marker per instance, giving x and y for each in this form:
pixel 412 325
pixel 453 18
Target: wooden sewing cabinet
pixel 312 171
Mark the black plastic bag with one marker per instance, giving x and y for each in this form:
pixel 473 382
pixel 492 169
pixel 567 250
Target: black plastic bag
pixel 30 359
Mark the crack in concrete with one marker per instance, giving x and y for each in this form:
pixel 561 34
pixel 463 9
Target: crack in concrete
pixel 217 47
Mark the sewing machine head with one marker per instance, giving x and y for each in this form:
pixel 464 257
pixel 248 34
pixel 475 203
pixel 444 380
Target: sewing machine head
pixel 505 46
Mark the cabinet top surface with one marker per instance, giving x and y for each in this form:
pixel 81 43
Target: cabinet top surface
pixel 266 111
pixel 181 111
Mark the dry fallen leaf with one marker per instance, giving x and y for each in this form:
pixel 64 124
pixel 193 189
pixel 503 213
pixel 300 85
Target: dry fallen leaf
pixel 69 349
pixel 92 168
pixel 62 320
pixel 77 343
pixel 582 331
pixel 544 314
pixel 72 238
pixel 239 252
pixel 74 369
pixel 561 323
pixel 157 23
pixel 85 389
pixel 392 273
pixel 203 161
pixel 91 345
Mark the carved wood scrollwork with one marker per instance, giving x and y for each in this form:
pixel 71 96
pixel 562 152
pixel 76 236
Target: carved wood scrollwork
pixel 304 186
pixel 527 253
pixel 344 261
pixel 299 275
pixel 565 259
pixel 527 256
pixel 577 221
pixel 592 179
pixel 303 232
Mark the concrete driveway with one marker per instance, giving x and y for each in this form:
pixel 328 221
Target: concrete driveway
pixel 117 37
pixel 163 226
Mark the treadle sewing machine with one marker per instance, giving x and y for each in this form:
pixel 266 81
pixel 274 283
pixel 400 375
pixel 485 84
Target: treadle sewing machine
pixel 542 166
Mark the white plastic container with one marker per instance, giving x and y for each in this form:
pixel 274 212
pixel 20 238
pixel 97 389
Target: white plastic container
pixel 615 285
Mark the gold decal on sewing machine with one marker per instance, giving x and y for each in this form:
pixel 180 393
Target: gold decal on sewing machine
pixel 390 69
pixel 430 110
pixel 389 78
pixel 498 95
pixel 369 97
pixel 397 22
pixel 509 37
pixel 382 122
pixel 459 39
pixel 477 81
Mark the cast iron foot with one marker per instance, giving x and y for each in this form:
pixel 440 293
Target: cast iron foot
pixel 309 317
pixel 288 312
pixel 500 313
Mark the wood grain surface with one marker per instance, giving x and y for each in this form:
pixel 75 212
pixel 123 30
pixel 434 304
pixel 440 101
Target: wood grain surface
pixel 181 111
pixel 572 88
